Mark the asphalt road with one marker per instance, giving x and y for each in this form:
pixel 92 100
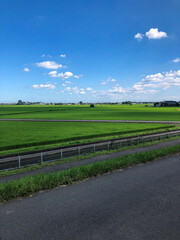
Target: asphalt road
pixel 141 202
pixel 76 120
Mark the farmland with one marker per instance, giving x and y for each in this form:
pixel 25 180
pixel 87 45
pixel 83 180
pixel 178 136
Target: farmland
pixel 99 112
pixel 23 134
pixel 26 136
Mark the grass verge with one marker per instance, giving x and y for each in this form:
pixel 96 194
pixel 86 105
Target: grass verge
pixel 31 184
pixel 78 158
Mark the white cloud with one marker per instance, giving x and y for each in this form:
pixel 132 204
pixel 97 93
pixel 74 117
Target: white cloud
pixel 159 80
pixel 47 85
pixel 26 70
pixel 65 75
pixel 109 80
pixel 53 74
pixel 103 83
pixel 49 65
pixel 117 90
pixel 176 60
pixel 154 33
pixel 44 55
pixel 74 90
pixel 89 89
pixel 78 76
pixel 151 84
pixel 63 55
pixel 139 36
pixel 68 82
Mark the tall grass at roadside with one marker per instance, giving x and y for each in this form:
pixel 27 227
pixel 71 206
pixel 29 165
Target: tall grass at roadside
pixel 29 185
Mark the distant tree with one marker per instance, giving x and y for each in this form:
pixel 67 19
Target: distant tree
pixel 20 102
pixel 80 102
pixel 127 102
pixel 92 105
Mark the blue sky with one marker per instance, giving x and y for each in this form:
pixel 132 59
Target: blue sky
pixel 89 50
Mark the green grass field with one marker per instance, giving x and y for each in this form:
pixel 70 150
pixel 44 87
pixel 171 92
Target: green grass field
pixel 99 112
pixel 25 134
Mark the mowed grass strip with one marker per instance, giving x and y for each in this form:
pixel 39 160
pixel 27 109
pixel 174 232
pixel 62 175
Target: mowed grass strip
pixel 99 112
pixel 29 185
pixel 16 135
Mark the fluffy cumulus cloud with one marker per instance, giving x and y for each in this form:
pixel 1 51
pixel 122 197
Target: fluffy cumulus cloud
pixel 65 75
pixel 139 36
pixel 47 86
pixel 26 69
pixel 153 33
pixel 160 80
pixel 151 84
pixel 49 65
pixel 176 60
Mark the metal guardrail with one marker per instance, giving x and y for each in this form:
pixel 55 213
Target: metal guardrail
pixel 54 155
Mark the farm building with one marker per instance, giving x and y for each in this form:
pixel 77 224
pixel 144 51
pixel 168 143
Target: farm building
pixel 166 104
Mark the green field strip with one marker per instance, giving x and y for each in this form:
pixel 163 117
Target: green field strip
pixel 27 134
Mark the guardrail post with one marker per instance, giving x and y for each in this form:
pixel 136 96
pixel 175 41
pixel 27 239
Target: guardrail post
pixel 108 145
pixel 120 144
pixel 79 151
pixel 41 158
pixel 94 147
pixel 61 154
pixel 19 161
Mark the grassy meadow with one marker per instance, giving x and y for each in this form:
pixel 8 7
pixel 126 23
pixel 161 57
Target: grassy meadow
pixel 99 112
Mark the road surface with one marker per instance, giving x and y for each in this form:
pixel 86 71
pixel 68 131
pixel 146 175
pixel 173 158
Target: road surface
pixel 141 202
